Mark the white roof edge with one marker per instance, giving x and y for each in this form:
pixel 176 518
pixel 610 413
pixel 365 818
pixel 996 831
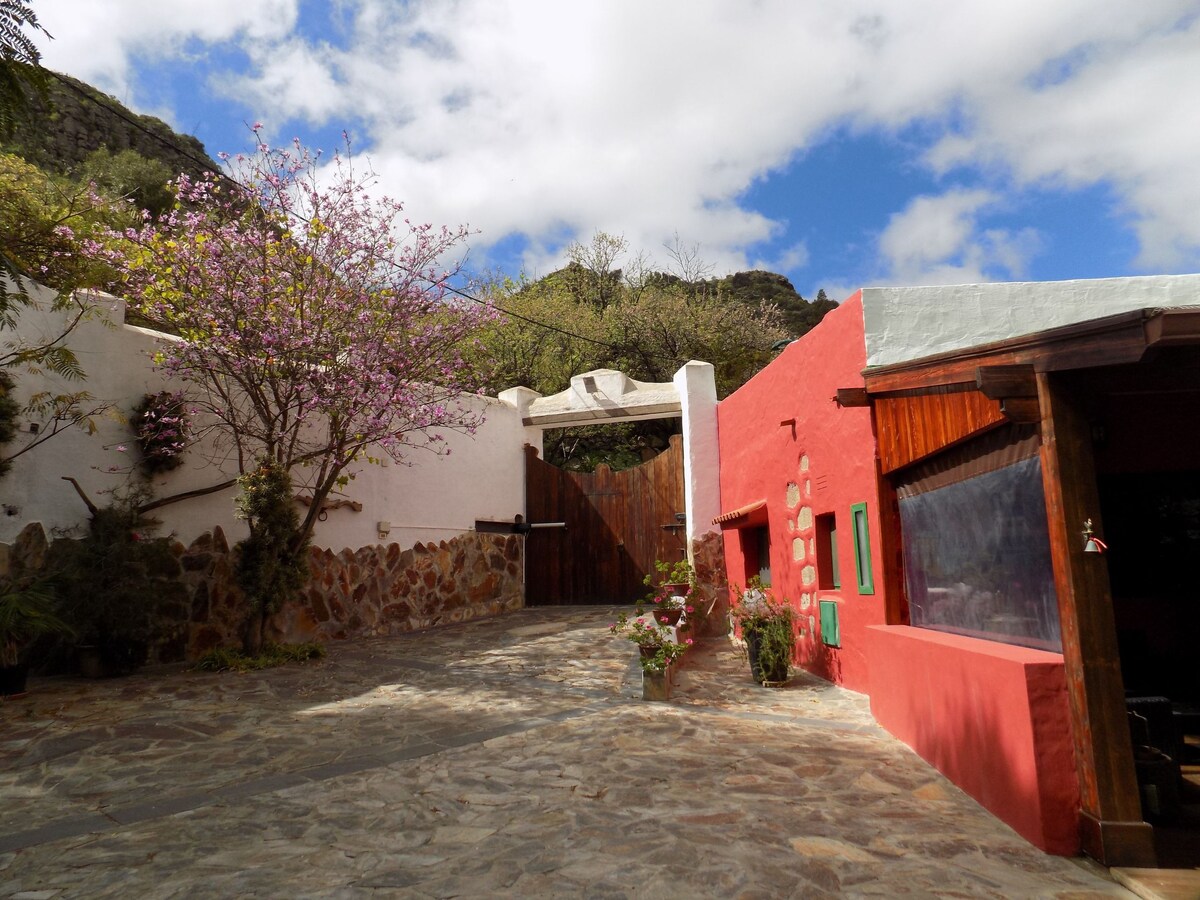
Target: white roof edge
pixel 907 323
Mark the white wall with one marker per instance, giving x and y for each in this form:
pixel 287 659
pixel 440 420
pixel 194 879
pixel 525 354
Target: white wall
pixel 433 498
pixel 913 322
pixel 697 386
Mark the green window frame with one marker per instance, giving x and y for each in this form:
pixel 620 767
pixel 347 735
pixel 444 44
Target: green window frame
pixel 861 530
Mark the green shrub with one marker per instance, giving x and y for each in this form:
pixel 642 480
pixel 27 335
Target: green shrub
pixel 114 582
pixel 226 659
pixel 272 563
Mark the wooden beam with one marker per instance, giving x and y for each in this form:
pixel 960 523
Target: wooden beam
pixel 851 397
pixel 891 542
pixel 1021 410
pixel 1112 340
pixel 1173 327
pixel 1111 825
pixel 1002 382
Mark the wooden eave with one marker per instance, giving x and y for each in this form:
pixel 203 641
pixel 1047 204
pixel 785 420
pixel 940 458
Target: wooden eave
pixel 923 406
pixel 1112 340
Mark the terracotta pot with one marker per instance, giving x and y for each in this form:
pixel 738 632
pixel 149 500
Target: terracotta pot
pixel 672 615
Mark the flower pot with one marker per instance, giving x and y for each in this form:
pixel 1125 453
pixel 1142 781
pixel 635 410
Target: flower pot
pixel 91 661
pixel 676 589
pixel 646 652
pixel 656 685
pixel 669 616
pixel 13 679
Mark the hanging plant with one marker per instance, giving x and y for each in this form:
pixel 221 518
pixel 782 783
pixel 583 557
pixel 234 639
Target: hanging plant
pixel 161 424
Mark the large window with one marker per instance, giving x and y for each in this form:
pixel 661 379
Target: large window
pixel 976 545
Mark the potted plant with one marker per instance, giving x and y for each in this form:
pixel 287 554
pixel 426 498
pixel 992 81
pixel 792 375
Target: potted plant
pixel 671 587
pixel 27 612
pixel 658 647
pixel 767 625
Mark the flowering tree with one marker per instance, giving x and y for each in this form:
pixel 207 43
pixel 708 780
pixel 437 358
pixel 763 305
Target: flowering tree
pixel 310 316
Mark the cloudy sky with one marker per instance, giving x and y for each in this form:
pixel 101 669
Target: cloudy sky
pixel 847 143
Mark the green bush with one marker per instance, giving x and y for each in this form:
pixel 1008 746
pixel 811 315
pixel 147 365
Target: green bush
pixel 272 563
pixel 114 583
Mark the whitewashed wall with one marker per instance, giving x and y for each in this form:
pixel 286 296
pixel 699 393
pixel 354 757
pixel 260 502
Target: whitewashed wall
pixel 431 499
pixel 908 323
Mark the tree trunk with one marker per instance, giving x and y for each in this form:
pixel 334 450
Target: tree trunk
pixel 252 636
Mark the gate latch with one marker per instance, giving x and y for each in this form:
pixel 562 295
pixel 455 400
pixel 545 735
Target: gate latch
pixel 517 526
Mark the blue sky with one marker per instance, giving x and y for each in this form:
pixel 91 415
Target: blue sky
pixel 857 143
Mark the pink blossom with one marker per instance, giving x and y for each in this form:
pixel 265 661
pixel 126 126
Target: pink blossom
pixel 303 299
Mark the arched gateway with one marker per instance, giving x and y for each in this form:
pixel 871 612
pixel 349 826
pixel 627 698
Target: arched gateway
pixel 618 523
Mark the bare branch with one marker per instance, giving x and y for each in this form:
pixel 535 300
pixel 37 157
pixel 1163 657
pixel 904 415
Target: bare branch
pixel 82 496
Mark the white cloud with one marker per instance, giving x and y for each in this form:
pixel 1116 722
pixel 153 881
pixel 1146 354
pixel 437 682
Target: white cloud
pixel 1131 117
pixel 935 240
pixel 789 259
pixel 96 39
pixel 556 119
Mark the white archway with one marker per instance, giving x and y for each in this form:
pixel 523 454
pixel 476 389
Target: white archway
pixel 608 396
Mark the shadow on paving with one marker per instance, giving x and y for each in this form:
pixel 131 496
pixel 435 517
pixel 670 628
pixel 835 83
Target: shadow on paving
pixel 504 757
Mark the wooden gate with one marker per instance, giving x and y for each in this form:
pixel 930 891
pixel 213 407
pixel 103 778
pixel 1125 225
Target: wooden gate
pixel 618 524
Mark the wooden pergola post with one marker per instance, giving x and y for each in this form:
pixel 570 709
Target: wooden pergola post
pixel 1111 826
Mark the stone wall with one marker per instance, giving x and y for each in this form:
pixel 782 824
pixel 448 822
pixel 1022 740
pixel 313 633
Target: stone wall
pixel 355 593
pixel 384 589
pixel 712 587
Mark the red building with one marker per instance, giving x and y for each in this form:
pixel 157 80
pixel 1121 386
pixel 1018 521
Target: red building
pixel 916 476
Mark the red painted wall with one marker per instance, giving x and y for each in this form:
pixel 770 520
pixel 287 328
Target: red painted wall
pixel 991 717
pixel 829 457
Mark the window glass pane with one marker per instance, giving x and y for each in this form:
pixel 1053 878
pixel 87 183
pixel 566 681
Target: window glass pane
pixel 977 558
pixel 834 572
pixel 764 556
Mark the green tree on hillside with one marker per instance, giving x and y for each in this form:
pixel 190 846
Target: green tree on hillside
pixel 608 312
pixel 145 183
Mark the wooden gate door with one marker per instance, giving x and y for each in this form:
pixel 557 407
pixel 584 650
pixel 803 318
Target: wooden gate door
pixel 618 524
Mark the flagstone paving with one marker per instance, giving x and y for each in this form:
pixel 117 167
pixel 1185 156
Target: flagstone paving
pixel 510 757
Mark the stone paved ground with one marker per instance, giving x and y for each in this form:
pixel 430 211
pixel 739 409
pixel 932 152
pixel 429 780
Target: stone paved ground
pixel 504 758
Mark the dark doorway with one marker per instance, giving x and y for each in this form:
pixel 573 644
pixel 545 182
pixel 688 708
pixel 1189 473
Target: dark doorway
pixel 1147 436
